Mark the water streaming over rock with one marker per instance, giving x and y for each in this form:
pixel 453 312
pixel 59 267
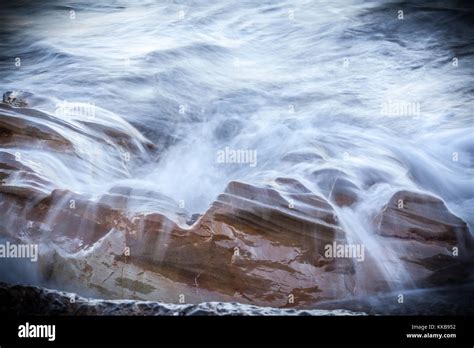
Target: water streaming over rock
pixel 226 144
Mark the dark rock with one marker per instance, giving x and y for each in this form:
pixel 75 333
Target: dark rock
pixel 16 98
pixel 26 300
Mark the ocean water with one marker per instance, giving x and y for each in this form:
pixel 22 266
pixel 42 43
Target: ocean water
pixel 358 86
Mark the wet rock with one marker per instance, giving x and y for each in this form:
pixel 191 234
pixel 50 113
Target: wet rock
pixel 434 245
pixel 453 299
pixel 30 300
pixel 259 243
pixel 34 144
pixel 74 216
pixel 35 132
pixel 252 245
pixel 262 245
pixel 16 98
pixel 411 215
pixel 336 186
pixel 13 171
pixel 140 200
pixel 193 219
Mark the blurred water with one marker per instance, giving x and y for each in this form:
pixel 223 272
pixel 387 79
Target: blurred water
pixel 277 77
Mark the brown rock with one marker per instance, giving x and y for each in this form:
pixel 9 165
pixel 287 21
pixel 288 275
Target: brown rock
pixel 252 245
pixel 422 217
pixel 423 233
pixel 336 186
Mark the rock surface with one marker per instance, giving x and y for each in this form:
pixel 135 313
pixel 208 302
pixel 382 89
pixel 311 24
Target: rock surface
pixel 258 245
pixel 434 244
pixel 261 242
pixel 28 300
pixel 416 216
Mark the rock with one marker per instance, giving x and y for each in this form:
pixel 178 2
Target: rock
pixel 336 186
pixel 30 300
pixel 193 219
pixel 13 171
pixel 16 98
pixel 261 243
pixel 140 200
pixel 16 131
pixel 454 299
pixel 422 233
pixel 422 217
pixel 256 244
pixel 249 245
pixel 34 144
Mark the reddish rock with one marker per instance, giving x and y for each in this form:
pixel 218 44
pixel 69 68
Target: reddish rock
pixel 336 186
pixel 422 217
pixel 434 245
pixel 252 246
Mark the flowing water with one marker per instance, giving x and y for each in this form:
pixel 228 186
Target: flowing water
pixel 350 82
